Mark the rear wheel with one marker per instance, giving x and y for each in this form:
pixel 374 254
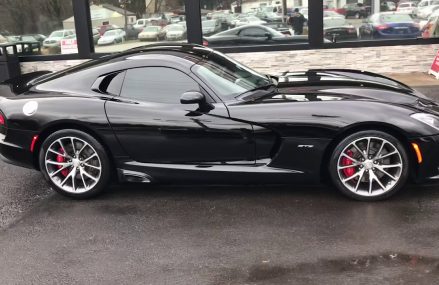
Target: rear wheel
pixel 369 165
pixel 74 163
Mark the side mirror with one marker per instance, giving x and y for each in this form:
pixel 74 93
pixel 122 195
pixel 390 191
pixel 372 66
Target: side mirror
pixel 268 35
pixel 192 97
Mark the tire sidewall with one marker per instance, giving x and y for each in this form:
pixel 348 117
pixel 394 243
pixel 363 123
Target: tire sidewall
pixel 349 139
pixel 105 163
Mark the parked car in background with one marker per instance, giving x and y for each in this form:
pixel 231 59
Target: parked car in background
pixel 152 33
pixel 389 25
pixel 224 17
pixel 131 32
pixel 332 14
pixel 251 35
pixel 431 28
pixel 211 27
pixel 54 39
pixel 96 36
pixel 407 7
pixel 269 16
pixel 104 28
pixel 27 38
pixel 112 37
pixel 357 10
pixel 175 32
pixel 386 6
pixel 337 29
pixel 250 20
pixel 426 8
pixel 281 27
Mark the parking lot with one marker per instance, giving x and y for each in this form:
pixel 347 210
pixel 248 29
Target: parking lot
pixel 187 234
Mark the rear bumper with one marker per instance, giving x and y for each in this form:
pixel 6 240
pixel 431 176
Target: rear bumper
pixel 15 148
pixel 396 36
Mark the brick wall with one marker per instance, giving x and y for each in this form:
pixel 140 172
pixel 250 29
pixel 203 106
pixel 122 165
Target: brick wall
pixel 391 59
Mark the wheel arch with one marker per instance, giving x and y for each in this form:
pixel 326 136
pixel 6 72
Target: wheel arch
pixel 368 126
pixel 63 125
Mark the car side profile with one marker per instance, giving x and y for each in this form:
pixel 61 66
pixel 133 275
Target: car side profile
pixel 252 35
pixel 186 114
pixel 389 25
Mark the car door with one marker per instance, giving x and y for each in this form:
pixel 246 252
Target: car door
pixel 153 126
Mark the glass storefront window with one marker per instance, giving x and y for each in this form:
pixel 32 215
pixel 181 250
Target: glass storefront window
pixel 358 20
pixel 249 23
pixel 125 24
pixel 38 27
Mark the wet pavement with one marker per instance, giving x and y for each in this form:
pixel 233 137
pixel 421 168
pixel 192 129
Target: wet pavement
pixel 136 234
pixel 223 235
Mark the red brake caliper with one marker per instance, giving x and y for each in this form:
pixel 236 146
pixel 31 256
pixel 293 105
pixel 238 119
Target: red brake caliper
pixel 60 158
pixel 346 162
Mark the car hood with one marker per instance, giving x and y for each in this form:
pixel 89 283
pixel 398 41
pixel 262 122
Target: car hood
pixel 343 84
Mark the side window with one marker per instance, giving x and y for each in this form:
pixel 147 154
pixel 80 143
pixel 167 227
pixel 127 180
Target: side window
pixel 253 32
pixel 157 84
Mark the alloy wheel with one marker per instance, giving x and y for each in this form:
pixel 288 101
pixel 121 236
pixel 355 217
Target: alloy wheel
pixel 370 166
pixel 73 165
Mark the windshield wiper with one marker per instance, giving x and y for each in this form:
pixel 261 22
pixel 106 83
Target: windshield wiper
pixel 254 92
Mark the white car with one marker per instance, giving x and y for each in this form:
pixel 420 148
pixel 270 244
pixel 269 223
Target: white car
pixel 250 20
pixel 112 37
pixel 426 8
pixel 54 40
pixel 175 32
pixel 406 7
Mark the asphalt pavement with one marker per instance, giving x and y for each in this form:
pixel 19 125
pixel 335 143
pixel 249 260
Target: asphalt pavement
pixel 255 234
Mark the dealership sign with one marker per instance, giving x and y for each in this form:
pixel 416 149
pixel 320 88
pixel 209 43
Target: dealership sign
pixel 69 46
pixel 434 69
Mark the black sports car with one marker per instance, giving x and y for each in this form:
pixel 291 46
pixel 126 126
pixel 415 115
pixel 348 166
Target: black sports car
pixel 180 113
pixel 249 35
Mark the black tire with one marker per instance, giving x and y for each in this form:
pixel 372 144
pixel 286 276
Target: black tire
pixel 105 166
pixel 394 187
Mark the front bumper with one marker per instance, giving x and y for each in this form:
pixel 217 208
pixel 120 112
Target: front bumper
pixel 428 170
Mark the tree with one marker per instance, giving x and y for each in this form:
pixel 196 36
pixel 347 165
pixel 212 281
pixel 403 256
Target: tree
pixel 17 11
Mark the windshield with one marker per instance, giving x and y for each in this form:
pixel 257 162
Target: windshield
pixel 396 18
pixel 56 34
pixel 231 78
pixel 175 28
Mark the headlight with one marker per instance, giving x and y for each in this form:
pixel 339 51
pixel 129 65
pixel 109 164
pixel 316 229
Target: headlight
pixel 428 119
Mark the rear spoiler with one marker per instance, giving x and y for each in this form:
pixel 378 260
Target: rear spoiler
pixel 20 84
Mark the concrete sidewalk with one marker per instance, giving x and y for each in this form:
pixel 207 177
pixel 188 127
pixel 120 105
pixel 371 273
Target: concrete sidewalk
pixel 421 81
pixel 415 79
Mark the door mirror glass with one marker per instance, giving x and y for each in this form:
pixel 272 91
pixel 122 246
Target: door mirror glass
pixel 192 97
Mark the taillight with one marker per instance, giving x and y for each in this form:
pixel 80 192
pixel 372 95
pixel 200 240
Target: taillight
pixel 382 27
pixel 2 120
pixel 205 43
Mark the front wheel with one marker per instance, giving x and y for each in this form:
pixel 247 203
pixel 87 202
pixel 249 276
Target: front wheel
pixel 369 166
pixel 74 163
